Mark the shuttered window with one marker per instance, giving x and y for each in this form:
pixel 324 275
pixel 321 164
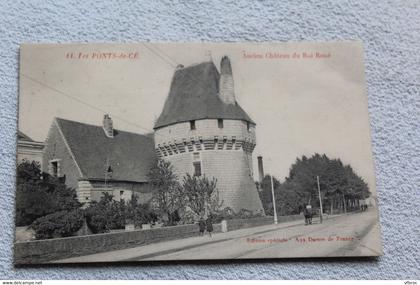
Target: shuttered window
pixel 220 123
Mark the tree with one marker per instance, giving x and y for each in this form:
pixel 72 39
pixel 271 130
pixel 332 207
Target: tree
pixel 288 200
pixel 287 196
pixel 201 194
pixel 168 196
pixel 39 194
pixel 339 184
pixel 266 195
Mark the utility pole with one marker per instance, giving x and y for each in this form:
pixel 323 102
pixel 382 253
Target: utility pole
pixel 320 199
pixel 344 204
pixel 274 200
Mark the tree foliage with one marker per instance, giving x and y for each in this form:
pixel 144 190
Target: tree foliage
pixel 335 178
pixel 38 194
pixel 265 193
pixel 201 194
pixel 288 198
pixel 167 198
pixel 181 202
pixel 338 183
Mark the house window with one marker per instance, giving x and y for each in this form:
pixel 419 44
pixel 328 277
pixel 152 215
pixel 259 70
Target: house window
pixel 247 126
pixel 54 168
pixel 197 168
pixel 197 164
pixel 192 125
pixel 220 123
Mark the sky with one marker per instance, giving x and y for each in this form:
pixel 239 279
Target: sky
pixel 304 97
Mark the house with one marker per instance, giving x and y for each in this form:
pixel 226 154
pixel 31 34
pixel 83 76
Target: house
pixel 96 159
pixel 202 130
pixel 28 149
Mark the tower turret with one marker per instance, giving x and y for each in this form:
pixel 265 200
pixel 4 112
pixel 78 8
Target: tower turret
pixel 226 86
pixel 202 130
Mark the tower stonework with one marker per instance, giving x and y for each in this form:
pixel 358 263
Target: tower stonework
pixel 203 131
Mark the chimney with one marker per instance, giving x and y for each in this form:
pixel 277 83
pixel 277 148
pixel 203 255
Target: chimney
pixel 226 88
pixel 107 126
pixel 208 55
pixel 260 168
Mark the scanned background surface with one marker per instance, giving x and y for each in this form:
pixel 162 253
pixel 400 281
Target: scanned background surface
pixel 391 33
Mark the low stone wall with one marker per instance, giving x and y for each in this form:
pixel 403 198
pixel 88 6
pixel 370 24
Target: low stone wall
pixel 42 251
pixel 285 219
pixel 254 222
pixel 237 224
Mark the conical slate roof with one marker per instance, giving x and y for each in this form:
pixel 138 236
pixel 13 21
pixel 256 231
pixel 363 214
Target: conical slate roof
pixel 194 95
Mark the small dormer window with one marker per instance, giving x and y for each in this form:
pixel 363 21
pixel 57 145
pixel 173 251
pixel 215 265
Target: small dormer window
pixel 220 123
pixel 192 125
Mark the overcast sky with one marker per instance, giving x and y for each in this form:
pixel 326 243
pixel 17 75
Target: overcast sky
pixel 300 105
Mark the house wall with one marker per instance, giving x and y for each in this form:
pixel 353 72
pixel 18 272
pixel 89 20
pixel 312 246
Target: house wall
pixel 89 191
pixel 55 148
pixel 30 151
pixel 229 160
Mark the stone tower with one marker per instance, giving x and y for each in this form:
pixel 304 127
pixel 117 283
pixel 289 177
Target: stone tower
pixel 202 130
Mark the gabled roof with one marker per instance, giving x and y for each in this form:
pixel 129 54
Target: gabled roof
pixel 130 155
pixel 194 95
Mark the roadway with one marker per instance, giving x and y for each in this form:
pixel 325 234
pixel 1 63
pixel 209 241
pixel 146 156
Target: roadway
pixel 356 234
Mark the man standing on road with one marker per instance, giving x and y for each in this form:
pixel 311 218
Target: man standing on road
pixel 209 224
pixel 307 212
pixel 201 226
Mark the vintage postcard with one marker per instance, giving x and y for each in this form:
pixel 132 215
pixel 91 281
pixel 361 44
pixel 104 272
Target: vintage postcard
pixel 193 151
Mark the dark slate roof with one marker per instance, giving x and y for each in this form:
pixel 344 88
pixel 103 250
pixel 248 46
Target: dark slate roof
pixel 23 137
pixel 194 95
pixel 130 155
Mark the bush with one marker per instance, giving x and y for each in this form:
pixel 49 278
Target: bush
pixel 32 202
pixel 138 213
pixel 228 214
pixel 105 215
pixel 188 216
pixel 59 224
